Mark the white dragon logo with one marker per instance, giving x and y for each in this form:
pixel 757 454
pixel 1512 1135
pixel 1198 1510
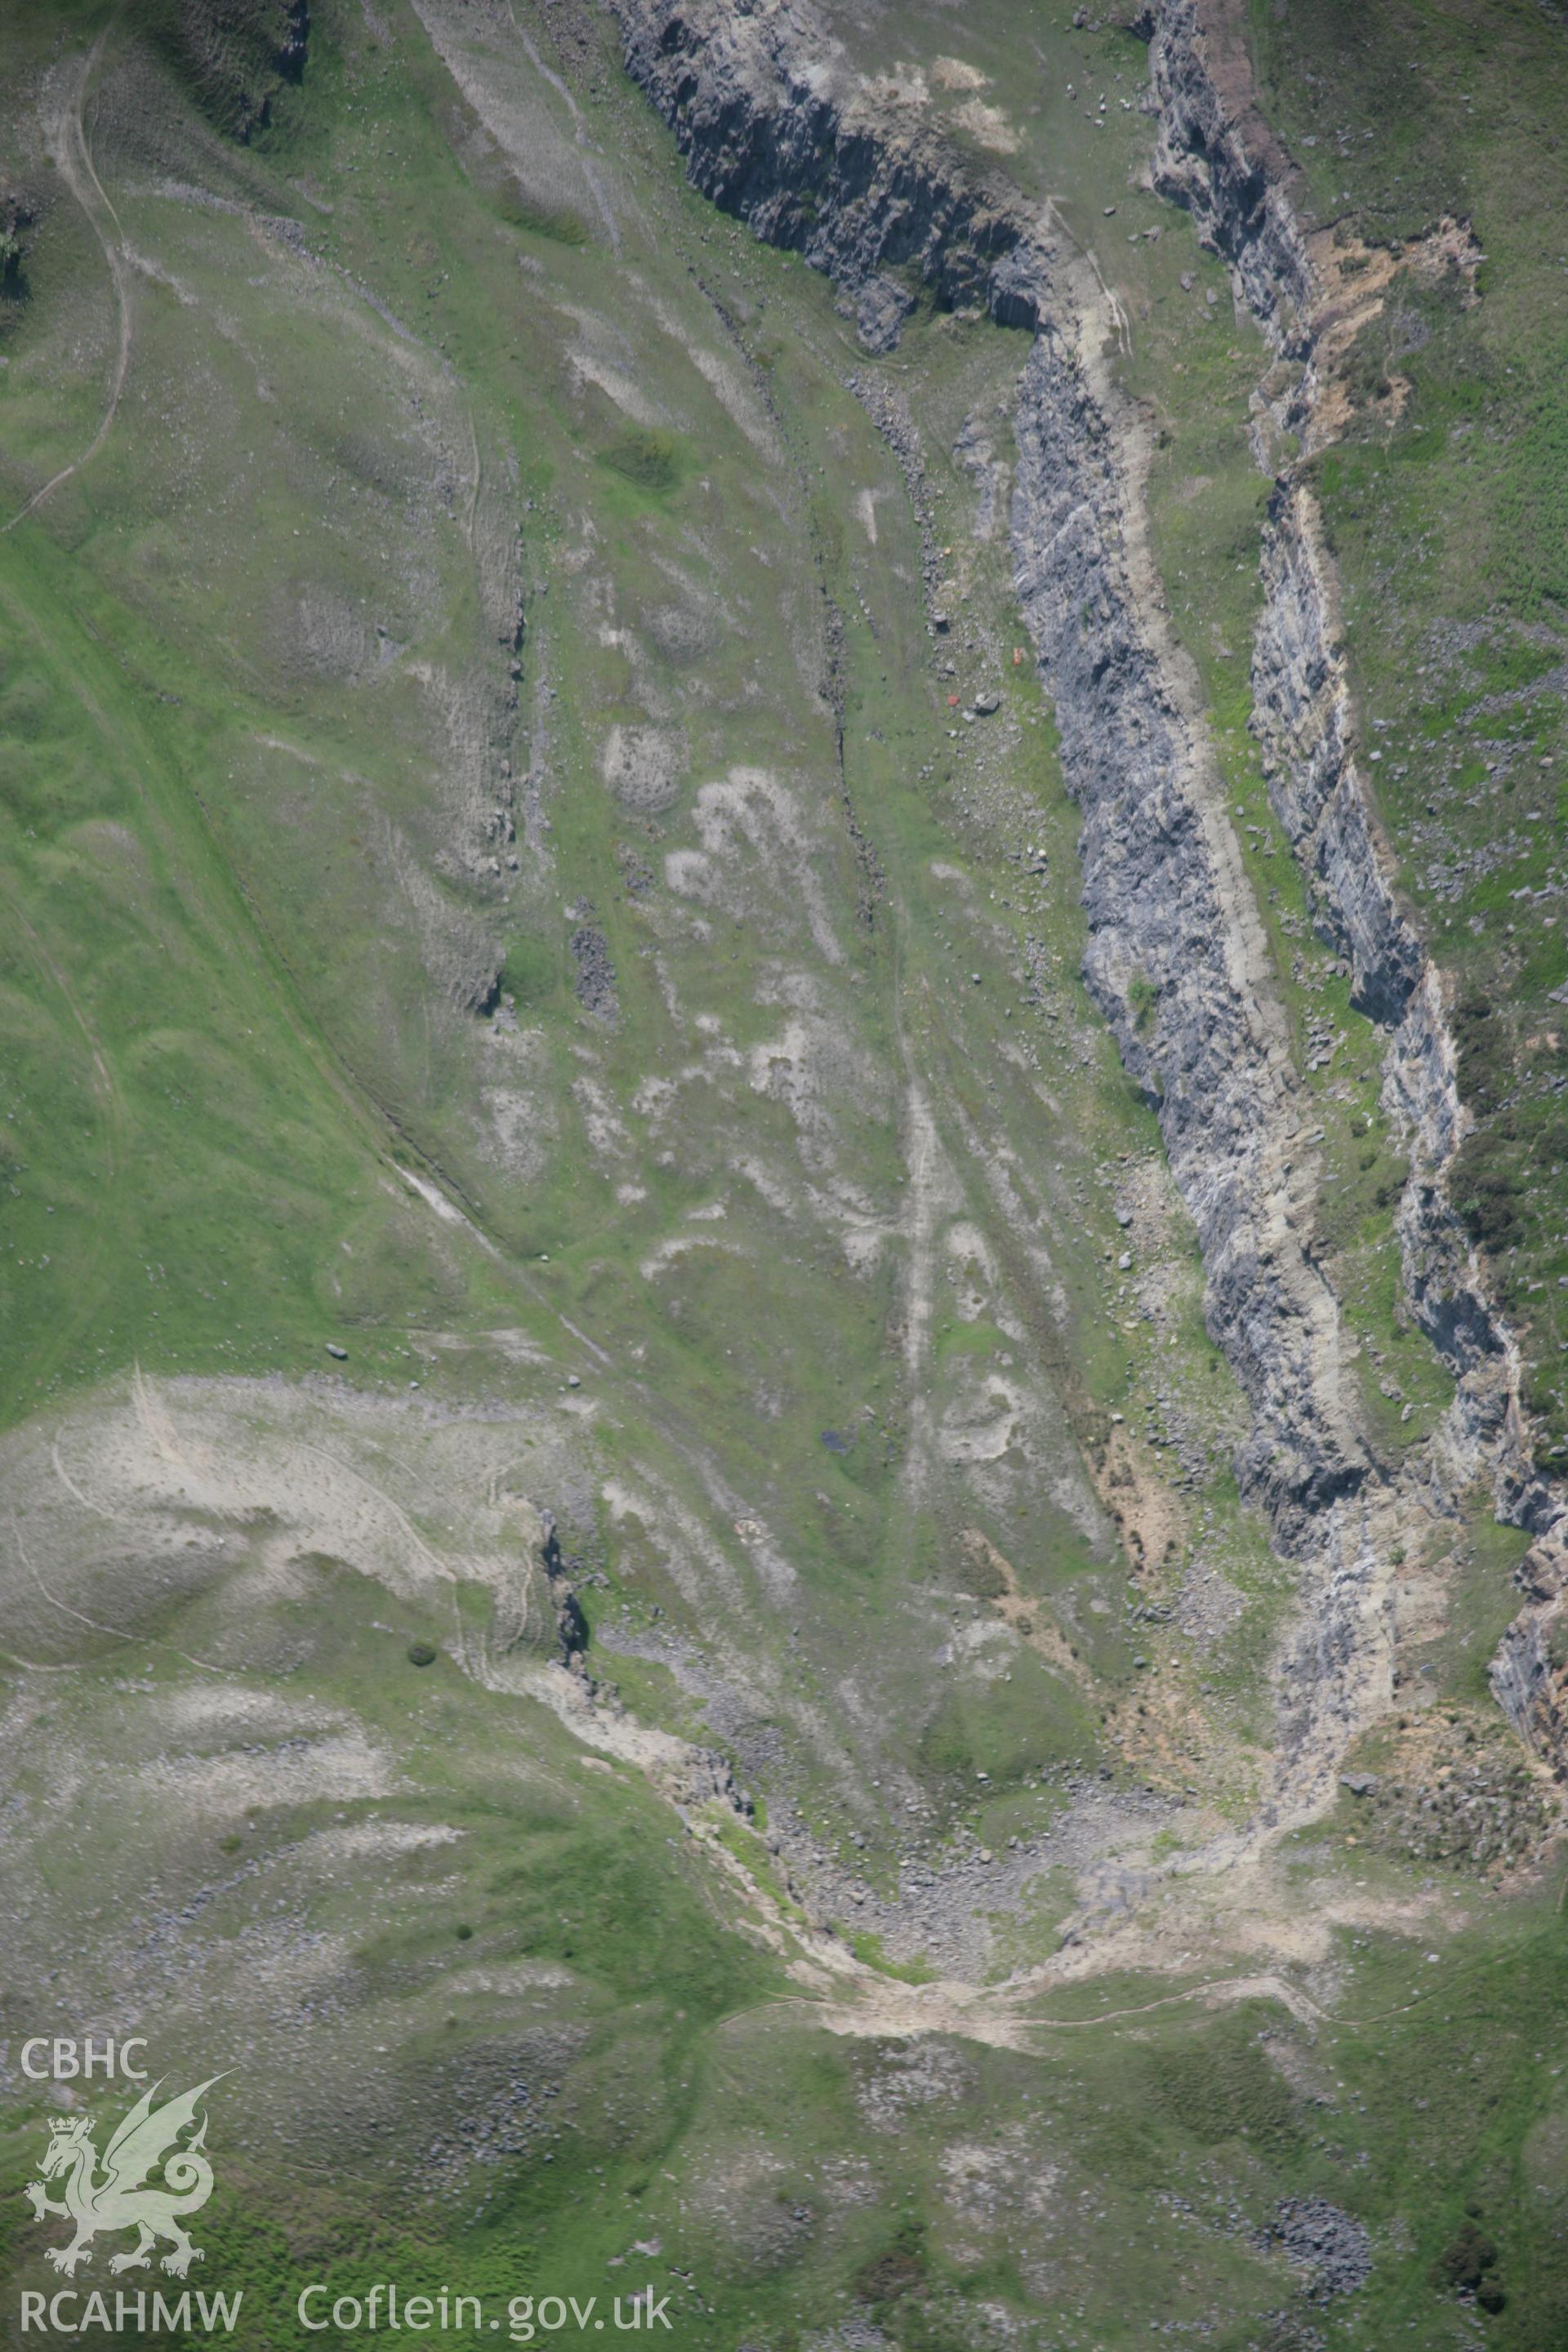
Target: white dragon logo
pixel 118 2200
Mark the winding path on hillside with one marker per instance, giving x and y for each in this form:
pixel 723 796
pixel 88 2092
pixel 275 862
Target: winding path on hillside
pixel 65 133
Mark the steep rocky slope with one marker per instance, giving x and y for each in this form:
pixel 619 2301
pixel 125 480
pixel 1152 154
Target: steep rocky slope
pixel 1305 720
pixel 749 1462
pixel 764 109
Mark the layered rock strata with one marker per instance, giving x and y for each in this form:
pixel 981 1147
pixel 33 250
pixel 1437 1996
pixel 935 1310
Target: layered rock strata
pixel 777 129
pixel 1305 720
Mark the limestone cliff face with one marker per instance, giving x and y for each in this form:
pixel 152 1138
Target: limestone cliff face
pixel 1216 156
pixel 1174 958
pixel 776 128
pixel 1306 723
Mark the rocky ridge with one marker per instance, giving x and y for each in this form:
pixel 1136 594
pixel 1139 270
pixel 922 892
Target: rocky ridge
pixel 1304 717
pixel 776 127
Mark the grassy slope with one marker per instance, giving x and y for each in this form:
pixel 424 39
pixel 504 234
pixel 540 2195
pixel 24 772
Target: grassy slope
pixel 188 1168
pixel 342 769
pixel 781 2167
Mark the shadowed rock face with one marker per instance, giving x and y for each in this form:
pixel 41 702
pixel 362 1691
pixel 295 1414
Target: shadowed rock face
pixel 1214 157
pixel 1217 157
pixel 1175 962
pixel 1166 909
pixel 775 129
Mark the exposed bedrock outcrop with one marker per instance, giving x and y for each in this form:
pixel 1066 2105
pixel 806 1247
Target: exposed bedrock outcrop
pixel 1217 156
pixel 1303 714
pixel 1177 965
pixel 776 127
pixel 1173 960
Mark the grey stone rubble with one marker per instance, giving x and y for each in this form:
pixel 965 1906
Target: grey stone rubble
pixel 1329 2244
pixel 890 413
pixel 594 983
